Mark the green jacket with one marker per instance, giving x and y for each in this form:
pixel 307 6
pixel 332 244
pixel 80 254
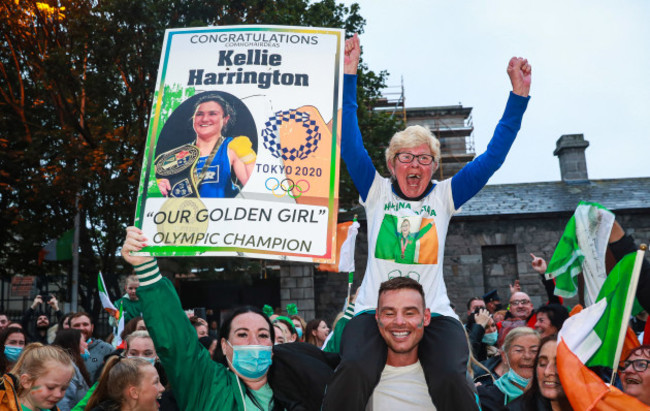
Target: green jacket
pixel 199 383
pixel 334 342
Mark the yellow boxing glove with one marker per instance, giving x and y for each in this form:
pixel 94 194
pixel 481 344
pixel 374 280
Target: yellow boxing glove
pixel 243 147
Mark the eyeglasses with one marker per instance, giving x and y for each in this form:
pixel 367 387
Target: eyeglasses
pixel 424 159
pixel 519 302
pixel 638 365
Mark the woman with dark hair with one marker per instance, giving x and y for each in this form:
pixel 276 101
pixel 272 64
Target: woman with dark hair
pixel 483 334
pixel 317 332
pixel 12 342
pixel 550 318
pixel 545 392
pixel 240 377
pixel 74 343
pixel 221 159
pixel 134 324
pixel 64 323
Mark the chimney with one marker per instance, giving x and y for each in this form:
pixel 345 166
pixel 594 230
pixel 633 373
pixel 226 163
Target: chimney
pixel 570 149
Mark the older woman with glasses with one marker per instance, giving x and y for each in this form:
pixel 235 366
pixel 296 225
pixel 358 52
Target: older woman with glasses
pixel 408 215
pixel 635 375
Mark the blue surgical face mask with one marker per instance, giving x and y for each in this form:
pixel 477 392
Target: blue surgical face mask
pixel 299 331
pixel 85 355
pixel 12 353
pixel 151 361
pixel 490 338
pixel 251 361
pixel 514 377
pixel 506 384
pixel 517 379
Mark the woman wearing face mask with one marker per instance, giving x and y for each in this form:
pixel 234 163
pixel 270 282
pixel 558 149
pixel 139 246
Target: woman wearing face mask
pixel 239 379
pixel 38 380
pixel 519 352
pixel 12 342
pixel 127 384
pixel 140 345
pixel 483 334
pixel 545 392
pixel 73 342
pixel 300 325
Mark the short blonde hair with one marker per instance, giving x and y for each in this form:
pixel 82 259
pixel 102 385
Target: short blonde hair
pixel 410 137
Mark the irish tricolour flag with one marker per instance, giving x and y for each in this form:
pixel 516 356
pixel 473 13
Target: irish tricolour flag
pixel 582 248
pixel 59 249
pixel 104 298
pixel 595 337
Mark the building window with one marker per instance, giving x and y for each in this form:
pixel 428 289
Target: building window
pixel 499 269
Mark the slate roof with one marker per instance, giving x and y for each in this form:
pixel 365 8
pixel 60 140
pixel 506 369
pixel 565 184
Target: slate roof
pixel 549 197
pixel 557 196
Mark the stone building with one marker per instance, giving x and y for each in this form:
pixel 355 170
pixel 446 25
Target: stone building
pixel 490 240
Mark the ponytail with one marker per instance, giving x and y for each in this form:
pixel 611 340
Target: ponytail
pixel 118 373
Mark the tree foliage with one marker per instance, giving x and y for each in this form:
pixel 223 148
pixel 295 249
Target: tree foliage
pixel 76 84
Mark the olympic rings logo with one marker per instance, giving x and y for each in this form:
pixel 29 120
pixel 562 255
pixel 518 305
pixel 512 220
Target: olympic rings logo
pixel 286 187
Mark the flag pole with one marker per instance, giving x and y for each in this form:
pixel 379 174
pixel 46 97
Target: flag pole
pixel 350 280
pixel 74 295
pixel 627 311
pixel 350 277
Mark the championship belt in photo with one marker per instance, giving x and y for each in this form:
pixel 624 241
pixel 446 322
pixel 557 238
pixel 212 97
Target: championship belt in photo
pixel 177 166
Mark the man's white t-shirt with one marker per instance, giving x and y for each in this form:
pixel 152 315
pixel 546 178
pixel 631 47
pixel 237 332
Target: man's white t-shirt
pixel 401 388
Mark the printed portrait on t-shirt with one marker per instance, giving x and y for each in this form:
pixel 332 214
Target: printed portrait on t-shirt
pixel 407 240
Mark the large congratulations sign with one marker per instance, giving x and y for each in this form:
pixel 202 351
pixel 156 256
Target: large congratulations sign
pixel 242 154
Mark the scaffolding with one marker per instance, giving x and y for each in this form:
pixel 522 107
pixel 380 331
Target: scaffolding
pixel 392 100
pixel 451 125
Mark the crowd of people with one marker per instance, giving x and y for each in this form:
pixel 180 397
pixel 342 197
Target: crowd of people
pixel 399 344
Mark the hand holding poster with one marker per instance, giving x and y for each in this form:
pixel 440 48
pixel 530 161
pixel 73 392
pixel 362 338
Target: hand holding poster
pixel 242 149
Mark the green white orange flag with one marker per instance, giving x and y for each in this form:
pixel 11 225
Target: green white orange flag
pixel 104 298
pixel 582 248
pixel 59 249
pixel 595 337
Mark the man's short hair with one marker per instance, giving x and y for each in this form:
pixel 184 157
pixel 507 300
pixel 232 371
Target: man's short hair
pixel 471 300
pixel 410 137
pixel 81 314
pixel 400 283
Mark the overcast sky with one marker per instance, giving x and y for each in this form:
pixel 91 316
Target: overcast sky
pixel 591 71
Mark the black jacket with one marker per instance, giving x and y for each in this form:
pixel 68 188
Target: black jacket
pixel 491 398
pixel 536 403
